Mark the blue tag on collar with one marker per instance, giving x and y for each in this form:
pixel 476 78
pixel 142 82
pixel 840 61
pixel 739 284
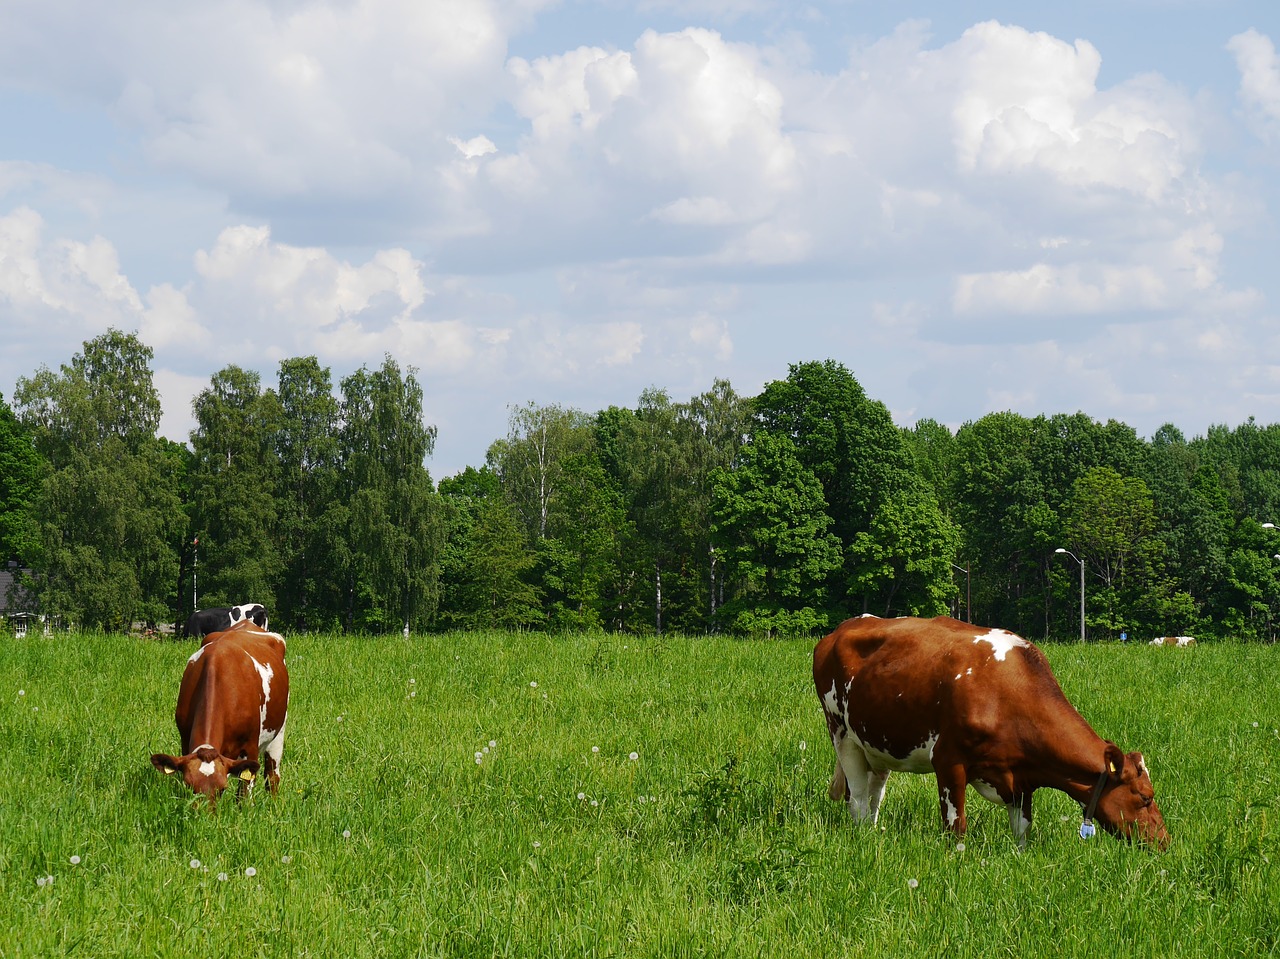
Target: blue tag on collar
pixel 1086 829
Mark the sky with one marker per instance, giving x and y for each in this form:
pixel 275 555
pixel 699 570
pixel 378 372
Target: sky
pixel 975 207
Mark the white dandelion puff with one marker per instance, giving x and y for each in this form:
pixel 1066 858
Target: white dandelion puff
pixel 286 859
pixel 533 684
pixel 250 872
pixel 595 749
pixel 634 756
pixel 537 845
pixel 222 877
pixel 582 796
pixel 913 883
pixel 493 744
pixel 195 863
pixel 594 803
pixel 346 834
pixel 75 860
pixel 959 847
pixel 22 692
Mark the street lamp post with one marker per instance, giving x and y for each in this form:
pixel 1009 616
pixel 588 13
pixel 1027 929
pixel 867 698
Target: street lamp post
pixel 1081 562
pixel 968 593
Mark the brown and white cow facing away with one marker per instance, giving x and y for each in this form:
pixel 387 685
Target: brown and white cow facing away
pixel 1180 641
pixel 231 706
pixel 977 707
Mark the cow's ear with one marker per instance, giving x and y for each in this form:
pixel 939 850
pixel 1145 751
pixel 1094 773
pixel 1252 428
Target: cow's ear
pixel 246 769
pixel 166 764
pixel 1114 760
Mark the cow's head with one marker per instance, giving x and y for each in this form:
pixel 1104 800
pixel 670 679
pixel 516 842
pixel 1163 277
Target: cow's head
pixel 1127 807
pixel 206 771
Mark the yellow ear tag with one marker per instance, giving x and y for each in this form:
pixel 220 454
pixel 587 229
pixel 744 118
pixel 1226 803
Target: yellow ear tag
pixel 246 775
pixel 1112 767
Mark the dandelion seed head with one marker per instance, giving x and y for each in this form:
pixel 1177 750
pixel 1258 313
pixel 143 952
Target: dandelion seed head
pixel 595 749
pixel 413 693
pixel 537 845
pixel 803 747
pixel 286 859
pixel 222 877
pixel 195 863
pixel 533 684
pixel 412 680
pixel 594 803
pixel 346 834
pixel 634 756
pixel 250 872
pixel 44 880
pixel 22 692
pixel 959 847
pixel 582 795
pixel 75 860
pixel 913 883
pixel 339 719
pixel 493 744
pixel 485 751
pixel 1255 724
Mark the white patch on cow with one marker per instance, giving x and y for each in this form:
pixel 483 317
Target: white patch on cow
pixel 266 672
pixel 206 769
pixel 830 703
pixel 952 813
pixel 1001 641
pixel 987 792
pixel 919 760
pixel 969 671
pixel 194 656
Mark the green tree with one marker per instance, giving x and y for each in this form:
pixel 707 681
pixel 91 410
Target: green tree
pixel 769 523
pixel 307 451
pixel 234 480
pixel 529 460
pixel 388 557
pixel 864 465
pixel 486 559
pixel 107 518
pixel 21 471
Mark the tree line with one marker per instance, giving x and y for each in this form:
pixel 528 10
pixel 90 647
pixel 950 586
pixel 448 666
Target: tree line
pixel 777 514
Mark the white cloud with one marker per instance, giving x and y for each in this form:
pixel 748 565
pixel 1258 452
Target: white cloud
pixel 1259 67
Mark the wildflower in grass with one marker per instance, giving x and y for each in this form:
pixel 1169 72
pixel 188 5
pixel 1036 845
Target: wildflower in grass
pixel 250 872
pixel 339 719
pixel 479 755
pixel 582 796
pixel 594 803
pixel 959 847
pixel 412 681
pixel 75 860
pixel 533 684
pixel 22 692
pixel 634 756
pixel 803 747
pixel 493 744
pixel 485 751
pixel 413 693
pixel 595 749
pixel 537 845
pixel 346 834
pixel 195 863
pixel 1255 724
pixel 913 883
pixel 44 880
pixel 222 877
pixel 286 859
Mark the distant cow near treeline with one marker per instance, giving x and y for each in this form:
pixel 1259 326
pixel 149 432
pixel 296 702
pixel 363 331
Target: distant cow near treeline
pixel 1183 641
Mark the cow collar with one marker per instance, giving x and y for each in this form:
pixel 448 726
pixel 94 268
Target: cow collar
pixel 1086 827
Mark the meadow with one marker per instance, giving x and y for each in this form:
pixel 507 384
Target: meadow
pixel 505 794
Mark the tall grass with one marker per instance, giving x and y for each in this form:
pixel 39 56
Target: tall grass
pixel 388 838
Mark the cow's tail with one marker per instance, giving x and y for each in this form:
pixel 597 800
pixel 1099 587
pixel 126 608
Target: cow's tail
pixel 839 788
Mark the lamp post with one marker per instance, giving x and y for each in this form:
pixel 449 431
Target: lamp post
pixel 968 593
pixel 1081 562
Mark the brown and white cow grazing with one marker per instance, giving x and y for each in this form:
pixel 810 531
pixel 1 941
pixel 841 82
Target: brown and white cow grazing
pixel 977 707
pixel 231 706
pixel 1182 641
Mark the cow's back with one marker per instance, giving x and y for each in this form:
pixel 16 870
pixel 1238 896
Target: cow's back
pixel 897 683
pixel 233 688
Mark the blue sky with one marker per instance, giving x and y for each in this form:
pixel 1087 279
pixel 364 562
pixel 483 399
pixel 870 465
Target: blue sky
pixel 974 206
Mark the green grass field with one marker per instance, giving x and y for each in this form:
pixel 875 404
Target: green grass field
pixel 638 797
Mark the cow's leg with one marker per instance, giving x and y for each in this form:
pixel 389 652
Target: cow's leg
pixel 863 788
pixel 275 751
pixel 1020 818
pixel 952 781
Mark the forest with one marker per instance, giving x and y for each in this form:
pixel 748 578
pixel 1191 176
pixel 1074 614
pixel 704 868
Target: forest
pixel 769 515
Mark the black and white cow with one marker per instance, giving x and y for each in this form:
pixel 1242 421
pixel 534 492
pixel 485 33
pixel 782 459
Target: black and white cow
pixel 217 618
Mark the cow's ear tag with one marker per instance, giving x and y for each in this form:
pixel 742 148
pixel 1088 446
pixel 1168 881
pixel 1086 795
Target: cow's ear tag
pixel 246 775
pixel 169 770
pixel 1086 829
pixel 1112 766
